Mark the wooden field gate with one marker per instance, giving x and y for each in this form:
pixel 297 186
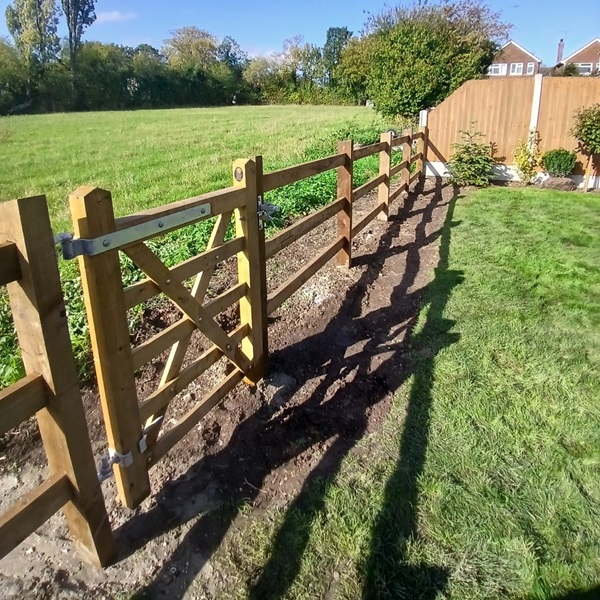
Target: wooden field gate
pixel 136 437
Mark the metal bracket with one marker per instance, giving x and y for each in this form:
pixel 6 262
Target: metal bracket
pixel 266 211
pixel 73 247
pixel 105 470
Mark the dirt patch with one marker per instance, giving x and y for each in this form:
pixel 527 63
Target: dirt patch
pixel 336 358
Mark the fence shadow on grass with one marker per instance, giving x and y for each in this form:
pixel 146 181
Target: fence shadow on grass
pixel 378 369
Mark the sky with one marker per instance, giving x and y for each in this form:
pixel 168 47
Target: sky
pixel 260 26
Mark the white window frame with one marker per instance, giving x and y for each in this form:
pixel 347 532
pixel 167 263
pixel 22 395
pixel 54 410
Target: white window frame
pixel 585 65
pixel 497 69
pixel 518 69
pixel 530 68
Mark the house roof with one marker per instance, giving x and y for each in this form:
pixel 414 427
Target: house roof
pixel 522 49
pixel 568 58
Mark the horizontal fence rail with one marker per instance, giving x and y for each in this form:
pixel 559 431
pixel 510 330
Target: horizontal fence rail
pixel 137 436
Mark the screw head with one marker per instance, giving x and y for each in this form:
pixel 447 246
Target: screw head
pixel 228 347
pixel 238 174
pixel 203 211
pixel 161 224
pixel 106 243
pixel 167 281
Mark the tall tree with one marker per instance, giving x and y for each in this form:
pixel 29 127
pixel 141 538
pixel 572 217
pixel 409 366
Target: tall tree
pixel 79 14
pixel 336 41
pixel 33 24
pixel 191 47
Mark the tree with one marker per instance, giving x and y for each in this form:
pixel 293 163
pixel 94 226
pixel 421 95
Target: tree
pixel 33 25
pixel 79 14
pixel 191 47
pixel 355 66
pixel 420 55
pixel 336 41
pixel 13 78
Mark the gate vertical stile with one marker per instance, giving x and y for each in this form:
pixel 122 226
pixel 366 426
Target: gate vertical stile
pixel 93 216
pixel 385 163
pixel 252 267
pixel 345 188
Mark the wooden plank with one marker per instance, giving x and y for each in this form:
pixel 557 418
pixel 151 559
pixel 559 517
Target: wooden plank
pixel 302 227
pixel 385 165
pixel 371 149
pixel 21 400
pixel 406 152
pixel 168 440
pixel 93 216
pixel 252 268
pixel 278 179
pixel 401 188
pixel 162 341
pixel 146 289
pixel 416 158
pixel 402 139
pixel 144 258
pixel 284 291
pixel 423 146
pixel 10 269
pixel 33 510
pixel 180 347
pixel 366 220
pixel 364 189
pixel 344 190
pixel 399 167
pixel 159 399
pixel 221 201
pixel 419 135
pixel 414 177
pixel 40 320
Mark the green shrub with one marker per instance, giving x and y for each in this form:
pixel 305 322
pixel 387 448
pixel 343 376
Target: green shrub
pixel 559 163
pixel 527 157
pixel 472 162
pixel 587 128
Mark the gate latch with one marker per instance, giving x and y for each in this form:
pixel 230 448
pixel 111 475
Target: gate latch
pixel 266 211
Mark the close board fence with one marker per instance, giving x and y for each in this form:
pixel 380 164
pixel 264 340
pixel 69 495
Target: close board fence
pixel 136 437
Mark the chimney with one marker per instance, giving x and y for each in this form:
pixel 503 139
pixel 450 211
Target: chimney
pixel 561 49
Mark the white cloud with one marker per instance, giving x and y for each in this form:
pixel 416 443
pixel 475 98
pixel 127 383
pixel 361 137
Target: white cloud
pixel 114 16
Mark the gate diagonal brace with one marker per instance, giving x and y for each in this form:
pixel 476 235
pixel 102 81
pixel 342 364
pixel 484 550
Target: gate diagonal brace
pixel 73 247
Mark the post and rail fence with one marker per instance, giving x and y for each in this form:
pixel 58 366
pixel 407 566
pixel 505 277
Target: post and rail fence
pixel 134 425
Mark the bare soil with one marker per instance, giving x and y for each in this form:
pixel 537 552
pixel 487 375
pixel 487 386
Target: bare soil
pixel 336 359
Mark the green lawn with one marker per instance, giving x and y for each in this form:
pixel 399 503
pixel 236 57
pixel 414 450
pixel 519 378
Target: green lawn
pixel 147 158
pixel 485 480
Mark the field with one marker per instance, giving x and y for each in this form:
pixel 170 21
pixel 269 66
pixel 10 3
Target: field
pixel 148 158
pixel 485 480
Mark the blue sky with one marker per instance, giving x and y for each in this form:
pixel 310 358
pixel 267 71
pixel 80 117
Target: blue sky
pixel 262 25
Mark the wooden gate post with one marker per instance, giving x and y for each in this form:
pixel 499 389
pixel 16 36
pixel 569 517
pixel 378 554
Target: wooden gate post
pixel 385 164
pixel 406 155
pixel 344 190
pixel 93 216
pixel 252 266
pixel 41 324
pixel 422 150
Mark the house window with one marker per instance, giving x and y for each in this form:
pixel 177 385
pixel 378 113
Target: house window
pixel 530 68
pixel 585 68
pixel 516 69
pixel 498 69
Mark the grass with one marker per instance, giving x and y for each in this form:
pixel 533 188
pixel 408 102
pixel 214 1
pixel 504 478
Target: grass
pixel 485 480
pixel 150 158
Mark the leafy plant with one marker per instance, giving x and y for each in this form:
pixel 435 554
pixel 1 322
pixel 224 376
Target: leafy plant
pixel 527 157
pixel 472 161
pixel 559 163
pixel 587 128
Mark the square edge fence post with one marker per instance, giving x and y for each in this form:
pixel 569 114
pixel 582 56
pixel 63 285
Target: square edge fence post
pixel 40 321
pixel 345 188
pixel 385 164
pixel 406 155
pixel 422 149
pixel 248 174
pixel 93 216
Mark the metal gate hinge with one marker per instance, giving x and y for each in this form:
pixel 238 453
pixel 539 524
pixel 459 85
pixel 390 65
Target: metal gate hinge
pixel 105 470
pixel 73 247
